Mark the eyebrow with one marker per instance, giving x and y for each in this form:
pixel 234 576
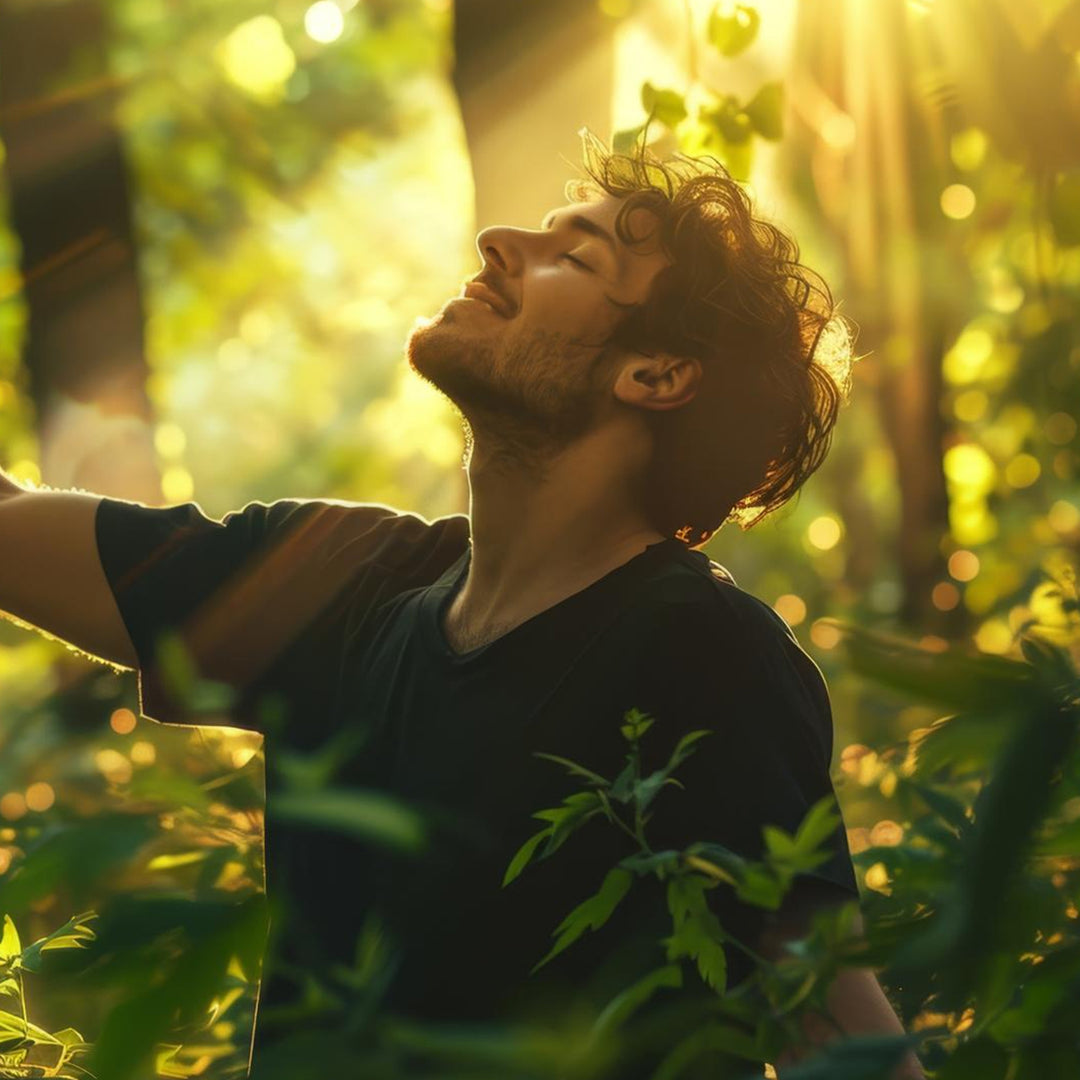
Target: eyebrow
pixel 587 225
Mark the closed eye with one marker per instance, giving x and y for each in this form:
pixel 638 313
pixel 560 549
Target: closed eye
pixel 584 266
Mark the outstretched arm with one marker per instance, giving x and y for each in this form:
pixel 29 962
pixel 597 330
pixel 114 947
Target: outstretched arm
pixel 50 574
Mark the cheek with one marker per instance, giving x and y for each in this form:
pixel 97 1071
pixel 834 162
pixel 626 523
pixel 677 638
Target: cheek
pixel 564 299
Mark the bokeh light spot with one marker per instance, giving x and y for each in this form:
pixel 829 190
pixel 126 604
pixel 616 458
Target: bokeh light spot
pixel 790 608
pixel 994 636
pixel 1060 428
pixel 40 796
pixel 1063 516
pixel 945 596
pixel 963 565
pixel 143 752
pixel 324 22
pixel 824 532
pixel 13 805
pixel 824 634
pixel 1022 471
pixel 957 201
pixel 123 721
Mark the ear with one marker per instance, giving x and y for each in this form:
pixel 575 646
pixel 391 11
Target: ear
pixel 658 382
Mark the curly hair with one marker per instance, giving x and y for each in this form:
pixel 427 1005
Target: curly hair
pixel 776 356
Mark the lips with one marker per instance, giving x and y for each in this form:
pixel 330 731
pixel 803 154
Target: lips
pixel 477 290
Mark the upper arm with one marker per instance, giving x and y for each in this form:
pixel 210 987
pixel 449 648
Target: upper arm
pixel 51 576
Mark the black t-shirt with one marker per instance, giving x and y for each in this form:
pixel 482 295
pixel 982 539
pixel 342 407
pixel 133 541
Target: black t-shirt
pixel 323 616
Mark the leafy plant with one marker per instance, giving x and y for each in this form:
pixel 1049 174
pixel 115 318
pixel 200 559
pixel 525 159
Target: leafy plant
pixel 26 1049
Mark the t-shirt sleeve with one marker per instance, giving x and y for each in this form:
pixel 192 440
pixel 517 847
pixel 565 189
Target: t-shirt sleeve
pixel 734 667
pixel 216 609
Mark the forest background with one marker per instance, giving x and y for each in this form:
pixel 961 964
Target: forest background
pixel 218 221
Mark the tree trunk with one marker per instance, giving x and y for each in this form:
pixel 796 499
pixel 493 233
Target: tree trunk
pixel 70 210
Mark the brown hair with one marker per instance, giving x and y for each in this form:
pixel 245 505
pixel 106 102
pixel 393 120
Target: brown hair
pixel 776 356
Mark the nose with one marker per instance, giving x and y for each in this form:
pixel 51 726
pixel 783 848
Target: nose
pixel 504 246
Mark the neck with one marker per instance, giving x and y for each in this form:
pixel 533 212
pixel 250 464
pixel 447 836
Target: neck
pixel 540 534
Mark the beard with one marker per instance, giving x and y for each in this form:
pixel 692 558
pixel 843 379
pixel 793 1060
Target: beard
pixel 521 402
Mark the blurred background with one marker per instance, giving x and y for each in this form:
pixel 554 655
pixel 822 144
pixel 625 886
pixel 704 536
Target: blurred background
pixel 219 219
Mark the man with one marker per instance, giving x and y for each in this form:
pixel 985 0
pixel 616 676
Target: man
pixel 651 362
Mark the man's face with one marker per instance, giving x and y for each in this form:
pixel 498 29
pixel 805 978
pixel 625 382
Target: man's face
pixel 526 370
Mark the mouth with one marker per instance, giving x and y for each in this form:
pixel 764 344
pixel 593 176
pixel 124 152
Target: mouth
pixel 476 290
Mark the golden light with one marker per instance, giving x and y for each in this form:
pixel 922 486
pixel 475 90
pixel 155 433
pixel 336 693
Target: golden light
pixel 970 405
pixel 790 608
pixel 824 634
pixel 967 148
pixel 1022 471
pixel 824 532
pixel 886 833
pixel 1063 516
pixel 957 201
pixel 970 522
pixel 965 361
pixel 933 643
pixel 40 796
pixel 13 805
pixel 169 440
pixel 963 565
pixel 177 484
pixel 256 58
pixel 143 752
pixel 5 859
pixel 970 467
pixel 113 766
pixel 242 755
pixel 994 636
pixel 850 757
pixel 1060 428
pixel 838 130
pixel 324 22
pixel 877 878
pixel 945 596
pixel 858 839
pixel 123 721
pixel 24 472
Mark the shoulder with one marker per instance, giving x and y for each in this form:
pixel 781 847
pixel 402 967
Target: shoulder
pixel 323 529
pixel 374 533
pixel 698 622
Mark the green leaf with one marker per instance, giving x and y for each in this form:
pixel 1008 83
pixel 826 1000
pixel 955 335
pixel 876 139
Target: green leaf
pixel 566 819
pixel 623 787
pixel 590 914
pixel 685 747
pixel 623 142
pixel 945 806
pixel 74 934
pixel 667 106
pixel 818 825
pixel 698 933
pixel 369 815
pixel 14 1027
pixel 624 1005
pixel 731 34
pixel 524 854
pixel 642 863
pixel 9 940
pixel 573 767
pixel 766 111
